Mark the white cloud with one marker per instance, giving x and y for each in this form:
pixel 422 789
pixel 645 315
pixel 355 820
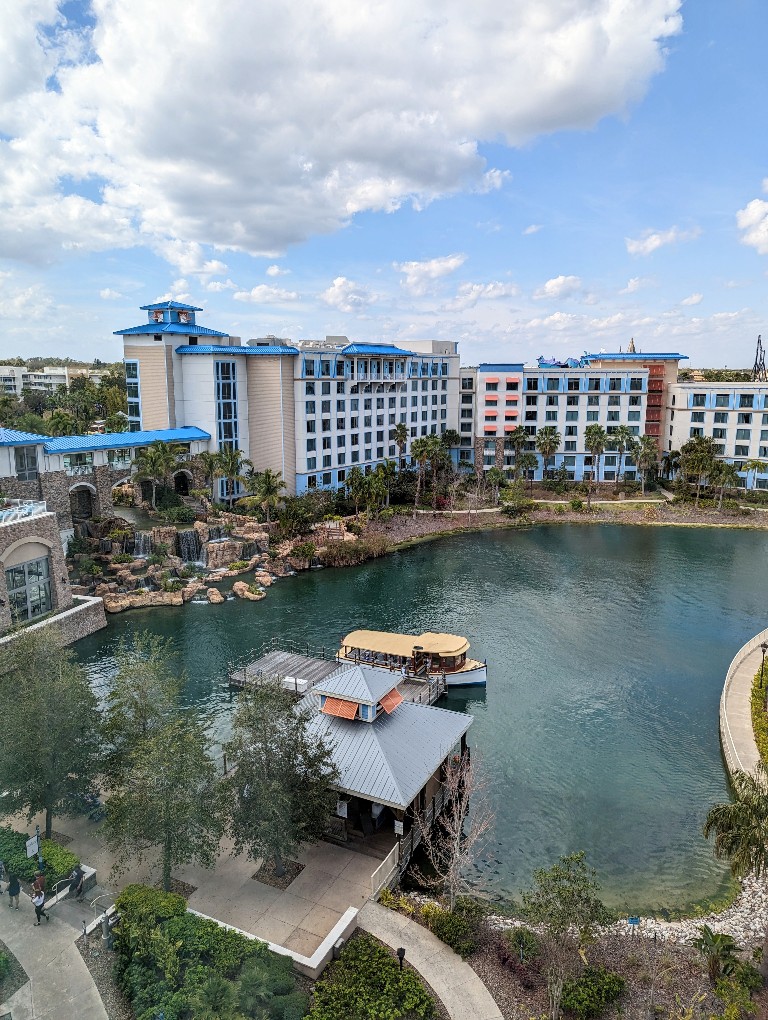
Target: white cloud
pixel 420 275
pixel 256 150
pixel 692 299
pixel 217 286
pixel 277 271
pixel 22 302
pixel 263 294
pixel 558 287
pixel 652 240
pixel 107 294
pixel 533 228
pixel 347 296
pixel 753 220
pixel 468 294
pixel 634 284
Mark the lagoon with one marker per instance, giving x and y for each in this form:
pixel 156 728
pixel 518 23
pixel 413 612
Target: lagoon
pixel 607 648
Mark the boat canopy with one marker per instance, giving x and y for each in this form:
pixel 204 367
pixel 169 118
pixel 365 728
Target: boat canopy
pixel 383 641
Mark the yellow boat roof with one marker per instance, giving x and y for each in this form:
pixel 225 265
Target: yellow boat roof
pixel 403 644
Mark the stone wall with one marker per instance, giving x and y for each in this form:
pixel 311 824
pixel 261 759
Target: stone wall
pixel 85 616
pixel 480 442
pixel 44 529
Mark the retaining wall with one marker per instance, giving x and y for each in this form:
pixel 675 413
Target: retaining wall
pixel 736 736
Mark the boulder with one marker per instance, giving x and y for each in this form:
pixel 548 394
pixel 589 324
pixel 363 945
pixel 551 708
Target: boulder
pixel 214 596
pixel 118 603
pixel 262 578
pixel 191 589
pixel 164 535
pixel 241 590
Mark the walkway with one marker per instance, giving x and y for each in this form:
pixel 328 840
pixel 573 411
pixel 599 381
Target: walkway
pixel 461 991
pixel 60 984
pixel 736 735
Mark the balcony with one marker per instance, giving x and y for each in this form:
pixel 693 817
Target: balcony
pixel 13 510
pixel 76 470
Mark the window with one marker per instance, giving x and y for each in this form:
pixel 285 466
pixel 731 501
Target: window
pixel 325 388
pixel 721 417
pixel 311 445
pixel 311 463
pixel 553 384
pixel 572 401
pixel 531 415
pixel 553 401
pixel 613 415
pixel 531 401
pixel 309 407
pixel 341 441
pixel 339 387
pixel 225 381
pixel 593 415
pixel 697 416
pixel 744 419
pixel 741 451
pixel 746 400
pixel 614 401
pixel 467 384
pixel 743 434
pixel 551 416
pixel 722 400
pixel 26 463
pixel 593 383
pixel 512 385
pixel 570 445
pixel 491 387
pixel 571 415
pixel 721 434
pixel 531 384
pixel 696 432
pixel 309 389
pixel 340 406
pixel 593 401
pixel 633 416
pixel 311 426
pixel 571 430
pixel 699 400
pixel 635 383
pixel 131 370
pixel 573 383
pixel 29 590
pixel 614 383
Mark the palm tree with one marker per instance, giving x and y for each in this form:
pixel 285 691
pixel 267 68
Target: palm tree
pixel 400 436
pixel 496 478
pixel 548 441
pixel 621 439
pixel 266 486
pixel 595 438
pixel 450 438
pixel 374 491
pixel 698 459
pixel 725 476
pixel 740 829
pixel 420 452
pixel 62 423
pixel 438 457
pixel 155 464
pixel 518 438
pixel 233 465
pixel 527 463
pixel 756 467
pixel 387 472
pixel 718 950
pixel 670 464
pixel 211 465
pixel 646 455
pixel 355 485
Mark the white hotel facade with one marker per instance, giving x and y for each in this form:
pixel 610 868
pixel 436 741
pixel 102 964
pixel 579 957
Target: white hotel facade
pixel 315 409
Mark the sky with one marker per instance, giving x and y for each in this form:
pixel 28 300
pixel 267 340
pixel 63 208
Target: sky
pixel 541 177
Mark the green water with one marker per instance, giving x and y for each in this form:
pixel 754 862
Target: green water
pixel 607 647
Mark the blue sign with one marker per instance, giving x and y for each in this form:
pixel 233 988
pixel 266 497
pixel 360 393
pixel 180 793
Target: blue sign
pixel 633 920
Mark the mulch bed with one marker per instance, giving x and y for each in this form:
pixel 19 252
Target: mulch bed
pixel 267 876
pixel 16 979
pixel 182 888
pixel 61 838
pixel 100 962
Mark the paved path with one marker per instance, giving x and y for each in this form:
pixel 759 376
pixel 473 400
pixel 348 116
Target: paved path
pixel 60 984
pixel 736 734
pixel 461 991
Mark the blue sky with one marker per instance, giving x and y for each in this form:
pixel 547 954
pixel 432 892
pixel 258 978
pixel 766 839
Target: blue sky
pixel 549 180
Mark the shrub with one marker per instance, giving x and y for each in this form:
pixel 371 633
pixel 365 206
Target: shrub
pixel 304 551
pixel 366 983
pixel 122 558
pixel 576 505
pixel 167 499
pixel 155 559
pixel 178 515
pixel 169 585
pixel 456 928
pixel 59 862
pixel 348 554
pixel 140 903
pixel 524 939
pixel 89 567
pixel 590 993
pixel 77 545
pixel 238 565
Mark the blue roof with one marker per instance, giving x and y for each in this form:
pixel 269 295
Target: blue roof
pixel 10 437
pixel 637 356
pixel 121 440
pixel 221 349
pixel 185 328
pixel 170 304
pixel 502 366
pixel 379 349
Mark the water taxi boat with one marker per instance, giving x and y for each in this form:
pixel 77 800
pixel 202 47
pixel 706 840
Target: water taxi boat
pixel 417 657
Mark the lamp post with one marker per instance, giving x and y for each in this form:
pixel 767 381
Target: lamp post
pixel 401 956
pixel 764 649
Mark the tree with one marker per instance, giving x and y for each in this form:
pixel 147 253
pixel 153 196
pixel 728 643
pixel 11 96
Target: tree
pixel 438 458
pixel 116 422
pixel 387 472
pixel 697 460
pixel 420 451
pixel 355 485
pixel 740 828
pixel 267 486
pixel 155 464
pixel 564 902
pixel 233 465
pixel 518 438
pixel 211 465
pixel 527 463
pixel 548 441
pixel 670 463
pixel 400 435
pixel 62 423
pixel 454 840
pixel 279 792
pixel 595 438
pixel 718 950
pixel 754 467
pixel 50 750
pixel 450 438
pixel 144 696
pixel 621 439
pixel 495 478
pixel 725 476
pixel 168 802
pixel 646 455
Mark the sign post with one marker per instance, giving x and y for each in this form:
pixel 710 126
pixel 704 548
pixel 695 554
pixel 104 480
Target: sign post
pixel 633 921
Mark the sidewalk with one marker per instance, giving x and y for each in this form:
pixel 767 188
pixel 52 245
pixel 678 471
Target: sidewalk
pixel 60 984
pixel 460 990
pixel 736 734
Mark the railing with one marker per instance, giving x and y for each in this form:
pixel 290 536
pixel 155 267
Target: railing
pixel 385 870
pixel 19 510
pixel 79 469
pixel 432 691
pixel 414 838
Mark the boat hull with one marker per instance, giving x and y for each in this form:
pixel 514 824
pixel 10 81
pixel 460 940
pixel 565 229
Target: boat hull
pixel 468 678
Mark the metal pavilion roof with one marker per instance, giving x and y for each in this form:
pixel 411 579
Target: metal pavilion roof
pixel 122 440
pixel 12 437
pixel 358 683
pixel 182 328
pixel 390 760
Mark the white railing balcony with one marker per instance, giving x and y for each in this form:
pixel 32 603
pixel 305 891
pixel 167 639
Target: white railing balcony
pixel 13 510
pixel 79 469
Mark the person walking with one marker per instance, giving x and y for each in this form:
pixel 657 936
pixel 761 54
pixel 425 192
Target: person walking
pixel 38 884
pixel 13 890
pixel 3 876
pixel 77 883
pixel 38 902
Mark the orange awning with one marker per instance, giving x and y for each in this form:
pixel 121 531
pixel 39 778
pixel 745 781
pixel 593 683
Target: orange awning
pixel 390 701
pixel 491 378
pixel 490 428
pixel 491 398
pixel 342 709
pixel 491 413
pixel 508 415
pixel 513 378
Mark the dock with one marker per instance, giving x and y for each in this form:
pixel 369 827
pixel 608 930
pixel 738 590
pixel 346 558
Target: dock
pixel 300 671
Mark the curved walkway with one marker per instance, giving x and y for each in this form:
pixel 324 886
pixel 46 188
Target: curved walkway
pixel 461 991
pixel 736 735
pixel 60 984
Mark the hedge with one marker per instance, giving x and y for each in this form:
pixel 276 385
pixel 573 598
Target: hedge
pixel 59 862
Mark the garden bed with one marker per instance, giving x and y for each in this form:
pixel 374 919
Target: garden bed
pixel 15 977
pixel 266 874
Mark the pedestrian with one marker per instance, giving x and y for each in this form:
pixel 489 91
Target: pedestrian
pixel 3 877
pixel 38 902
pixel 13 890
pixel 38 885
pixel 77 882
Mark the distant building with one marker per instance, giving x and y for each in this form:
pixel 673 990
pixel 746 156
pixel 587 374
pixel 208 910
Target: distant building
pixel 14 380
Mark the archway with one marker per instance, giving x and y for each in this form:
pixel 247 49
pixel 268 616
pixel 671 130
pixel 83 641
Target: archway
pixel 81 502
pixel 181 483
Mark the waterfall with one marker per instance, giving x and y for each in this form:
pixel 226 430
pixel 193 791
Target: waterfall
pixel 105 545
pixel 142 544
pixel 216 533
pixel 190 548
